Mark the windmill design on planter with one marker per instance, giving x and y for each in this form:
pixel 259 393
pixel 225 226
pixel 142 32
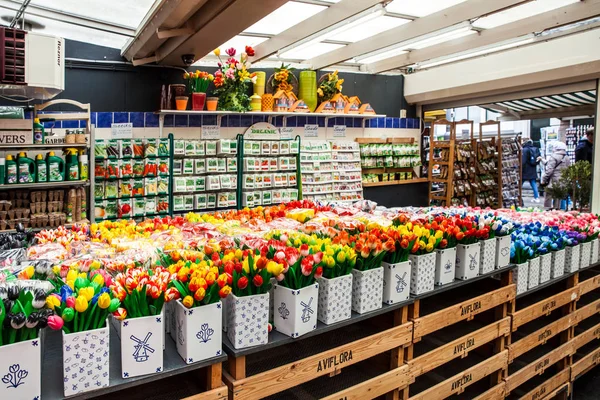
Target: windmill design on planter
pixel 448 265
pixel 306 311
pixel 142 348
pixel 401 283
pixel 472 262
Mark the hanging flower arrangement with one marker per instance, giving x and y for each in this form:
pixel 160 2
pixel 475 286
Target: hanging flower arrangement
pixel 231 80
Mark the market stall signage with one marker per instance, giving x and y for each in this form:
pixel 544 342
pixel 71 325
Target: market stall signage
pixel 121 131
pixel 210 132
pixel 262 131
pixel 339 131
pixel 286 132
pixel 311 130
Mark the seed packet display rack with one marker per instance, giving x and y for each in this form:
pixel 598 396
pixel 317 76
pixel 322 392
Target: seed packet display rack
pixel 441 193
pixel 273 192
pixel 463 191
pixel 495 172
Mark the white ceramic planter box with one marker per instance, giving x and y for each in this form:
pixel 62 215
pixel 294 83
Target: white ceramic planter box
pixel 445 266
pixel 248 320
pixel 225 313
pixel 595 252
pixel 367 290
pixel 335 299
pixel 545 267
pixel 572 258
pixel 20 370
pixel 296 309
pixel 422 273
pixel 585 253
pixel 467 260
pixel 502 251
pixel 199 331
pixel 85 360
pixel 396 282
pixel 558 263
pixel 487 256
pixel 142 345
pixel 534 273
pixel 520 277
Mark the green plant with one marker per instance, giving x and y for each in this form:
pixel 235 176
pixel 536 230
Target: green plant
pixel 575 181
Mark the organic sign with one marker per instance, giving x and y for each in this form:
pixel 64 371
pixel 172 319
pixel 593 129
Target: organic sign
pixel 262 131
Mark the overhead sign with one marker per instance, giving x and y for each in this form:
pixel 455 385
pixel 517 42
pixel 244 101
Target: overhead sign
pixel 262 131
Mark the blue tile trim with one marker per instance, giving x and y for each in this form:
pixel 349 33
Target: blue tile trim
pixel 402 123
pixel 410 123
pixel 258 118
pixel 291 122
pixel 169 120
pixel 70 124
pixel 181 121
pixel 195 121
pixel 321 122
pixel 417 123
pixel 396 123
pixel 82 124
pixel 137 119
pixel 246 120
pixel 224 121
pixel 151 120
pixel 93 117
pixel 209 120
pixel 105 119
pixel 389 123
pixel 301 121
pixel 120 118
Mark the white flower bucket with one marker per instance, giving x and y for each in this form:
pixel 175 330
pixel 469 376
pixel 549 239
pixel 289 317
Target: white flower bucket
pixel 467 260
pixel 85 360
pixel 199 331
pixel 396 282
pixel 445 266
pixel 422 273
pixel 595 251
pixel 545 267
pixel 585 253
pixel 142 345
pixel 502 251
pixel 248 320
pixel 335 299
pixel 558 263
pixel 520 277
pixel 296 309
pixel 367 290
pixel 20 370
pixel 572 254
pixel 534 273
pixel 487 256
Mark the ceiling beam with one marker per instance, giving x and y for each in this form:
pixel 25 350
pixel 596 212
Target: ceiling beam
pixel 504 109
pixel 421 26
pixel 318 22
pixel 551 19
pixel 550 113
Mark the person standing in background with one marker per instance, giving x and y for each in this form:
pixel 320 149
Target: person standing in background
pixel 585 147
pixel 531 158
pixel 555 164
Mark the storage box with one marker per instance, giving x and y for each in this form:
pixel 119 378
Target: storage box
pixel 20 369
pixel 572 258
pixel 533 278
pixel 487 256
pixel 248 320
pixel 502 251
pixel 521 277
pixel 199 331
pixel 335 299
pixel 558 263
pixel 545 267
pixel 585 254
pixel 141 345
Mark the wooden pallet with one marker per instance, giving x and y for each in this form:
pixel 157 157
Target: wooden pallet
pixel 497 392
pixel 330 362
pixel 219 393
pixel 539 337
pixel 459 382
pixel 543 307
pixel 588 362
pixel 549 387
pixel 378 386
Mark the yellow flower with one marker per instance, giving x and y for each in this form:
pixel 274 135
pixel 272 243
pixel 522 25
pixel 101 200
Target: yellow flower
pixel 200 293
pixel 104 301
pixel 71 275
pixel 320 92
pixel 81 304
pixel 217 52
pixel 71 284
pixel 438 234
pixel 99 279
pixel 52 301
pixel 87 293
pixel 188 301
pixel 186 76
pixel 429 247
pixel 245 266
pixel 422 244
pixel 274 268
pixel 341 257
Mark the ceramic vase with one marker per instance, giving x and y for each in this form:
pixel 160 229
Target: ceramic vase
pixel 296 309
pixel 558 263
pixel 367 290
pixel 545 267
pixel 520 277
pixel 248 320
pixel 487 256
pixel 422 273
pixel 585 253
pixel 502 251
pixel 335 299
pixel 199 331
pixel 468 257
pixel 533 278
pixel 20 369
pixel 572 254
pixel 595 251
pixel 396 282
pixel 445 266
pixel 141 345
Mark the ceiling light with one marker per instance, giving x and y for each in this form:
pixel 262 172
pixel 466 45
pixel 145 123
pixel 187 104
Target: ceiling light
pixel 335 29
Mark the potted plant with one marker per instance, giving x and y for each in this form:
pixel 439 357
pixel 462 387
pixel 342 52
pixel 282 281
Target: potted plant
pixel 367 274
pixel 520 254
pixel 296 294
pixel 468 249
pixel 248 304
pixel 22 315
pixel 197 83
pixel 198 310
pixel 82 316
pixel 232 79
pixel 501 230
pixel 422 257
pixel 141 321
pixel 445 254
pixel 573 251
pixel 396 266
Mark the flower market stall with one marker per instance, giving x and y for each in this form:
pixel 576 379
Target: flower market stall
pixel 434 300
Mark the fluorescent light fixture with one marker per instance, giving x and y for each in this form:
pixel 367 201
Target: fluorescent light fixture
pixel 509 44
pixel 335 29
pixel 419 42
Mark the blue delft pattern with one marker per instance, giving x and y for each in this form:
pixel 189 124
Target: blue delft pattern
pixel 335 299
pixel 558 263
pixel 422 273
pixel 488 256
pixel 86 361
pixel 248 320
pixel 533 278
pixel 367 290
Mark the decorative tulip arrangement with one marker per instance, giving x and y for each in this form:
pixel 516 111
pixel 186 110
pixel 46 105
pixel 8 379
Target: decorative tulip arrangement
pixel 22 313
pixel 140 291
pixel 197 283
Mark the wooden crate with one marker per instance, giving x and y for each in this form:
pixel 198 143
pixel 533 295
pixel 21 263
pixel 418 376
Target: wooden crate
pixel 539 337
pixel 548 387
pixel 378 386
pixel 497 392
pixel 543 307
pixel 458 348
pixel 220 393
pixel 465 310
pixel 459 382
pixel 587 311
pixel 586 336
pixel 537 367
pixel 588 285
pixel 585 364
pixel 328 362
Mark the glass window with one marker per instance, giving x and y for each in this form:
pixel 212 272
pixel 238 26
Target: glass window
pixel 368 29
pixel 240 42
pixel 420 8
pixel 520 12
pixel 307 52
pixel 286 16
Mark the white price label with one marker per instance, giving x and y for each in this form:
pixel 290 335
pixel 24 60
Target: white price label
pixel 311 130
pixel 286 132
pixel 339 131
pixel 121 131
pixel 210 132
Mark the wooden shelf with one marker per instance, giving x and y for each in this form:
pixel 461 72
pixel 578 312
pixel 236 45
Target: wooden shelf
pixel 395 182
pixel 43 146
pixel 269 114
pixel 44 185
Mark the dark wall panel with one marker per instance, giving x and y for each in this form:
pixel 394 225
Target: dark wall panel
pixel 415 194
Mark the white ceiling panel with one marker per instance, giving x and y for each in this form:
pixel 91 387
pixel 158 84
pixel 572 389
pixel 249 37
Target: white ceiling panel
pixel 523 11
pixel 313 50
pixel 240 42
pixel 286 16
pixel 420 8
pixel 369 28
